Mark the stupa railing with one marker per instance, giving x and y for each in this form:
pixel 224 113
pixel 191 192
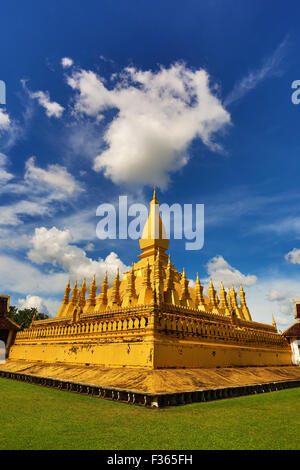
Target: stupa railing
pixel 185 326
pixel 165 320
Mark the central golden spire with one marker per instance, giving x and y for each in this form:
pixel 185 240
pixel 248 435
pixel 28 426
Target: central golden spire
pixel 154 236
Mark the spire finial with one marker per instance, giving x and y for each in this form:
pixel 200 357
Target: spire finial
pixel 154 199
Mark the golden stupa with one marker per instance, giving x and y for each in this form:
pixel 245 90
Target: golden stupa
pixel 151 318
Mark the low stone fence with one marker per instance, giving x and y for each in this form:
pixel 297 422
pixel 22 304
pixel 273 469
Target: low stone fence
pixel 151 400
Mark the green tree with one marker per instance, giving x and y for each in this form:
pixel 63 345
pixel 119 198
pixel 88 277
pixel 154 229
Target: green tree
pixel 24 316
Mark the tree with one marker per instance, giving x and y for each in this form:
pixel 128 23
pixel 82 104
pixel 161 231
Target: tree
pixel 24 316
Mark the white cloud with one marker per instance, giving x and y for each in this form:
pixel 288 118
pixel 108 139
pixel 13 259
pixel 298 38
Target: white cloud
pixel 66 62
pixel 158 116
pixel 220 270
pixel 54 246
pixel 293 256
pixel 10 215
pixel 275 295
pixel 56 179
pixel 286 296
pixel 4 120
pixel 81 224
pixel 13 240
pixel 52 108
pixel 4 175
pixel 264 297
pixel 269 67
pixel 42 187
pixel 89 247
pixel 23 278
pixel 282 321
pixel 34 301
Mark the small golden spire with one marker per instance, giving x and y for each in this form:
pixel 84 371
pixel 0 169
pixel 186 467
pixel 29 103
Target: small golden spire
pixel 74 294
pixel 213 297
pixel 67 293
pixel 116 290
pixel 91 301
pixel 199 299
pixel 154 199
pixel 224 306
pixel 274 322
pixel 185 295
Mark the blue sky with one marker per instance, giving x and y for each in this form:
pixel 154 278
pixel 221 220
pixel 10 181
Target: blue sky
pixel 211 80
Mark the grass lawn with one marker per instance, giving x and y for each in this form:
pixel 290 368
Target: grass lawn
pixel 33 417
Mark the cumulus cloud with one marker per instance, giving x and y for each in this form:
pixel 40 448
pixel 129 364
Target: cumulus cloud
pixel 55 246
pixel 220 270
pixel 158 116
pixel 66 62
pixel 293 256
pixel 34 301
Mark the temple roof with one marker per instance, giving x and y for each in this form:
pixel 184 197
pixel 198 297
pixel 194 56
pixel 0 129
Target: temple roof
pixel 8 324
pixel 293 331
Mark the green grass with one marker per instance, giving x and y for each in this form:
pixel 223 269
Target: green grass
pixel 33 417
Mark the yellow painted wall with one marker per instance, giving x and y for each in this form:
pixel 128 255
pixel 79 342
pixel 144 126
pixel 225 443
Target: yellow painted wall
pixel 123 354
pixel 163 353
pixel 191 354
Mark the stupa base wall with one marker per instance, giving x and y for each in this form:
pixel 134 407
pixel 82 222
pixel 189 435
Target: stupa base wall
pixel 157 354
pixel 190 354
pixel 108 354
